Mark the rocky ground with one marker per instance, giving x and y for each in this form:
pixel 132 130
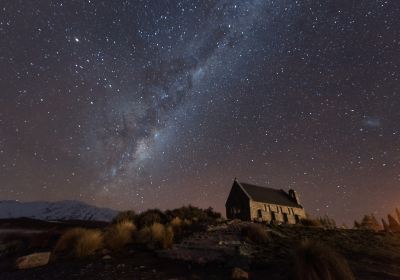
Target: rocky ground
pixel 133 265
pixel 371 255
pixel 213 254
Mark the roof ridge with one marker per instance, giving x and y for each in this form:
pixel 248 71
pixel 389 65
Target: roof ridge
pixel 267 194
pixel 264 187
pixel 243 189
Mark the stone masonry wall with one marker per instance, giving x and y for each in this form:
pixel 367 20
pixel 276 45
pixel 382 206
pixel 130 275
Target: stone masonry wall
pixel 270 210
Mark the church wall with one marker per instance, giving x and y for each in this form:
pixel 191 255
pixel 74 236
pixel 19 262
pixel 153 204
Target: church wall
pixel 264 212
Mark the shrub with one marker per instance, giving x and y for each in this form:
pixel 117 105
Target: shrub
pixel 150 217
pixel 315 261
pixel 67 242
pixel 157 232
pixel 119 235
pixel 369 222
pixel 327 222
pixel 11 248
pixel 78 243
pixel 194 214
pixel 90 241
pixel 123 216
pixel 255 233
pixel 310 222
pixel 169 237
pixel 394 226
pixel 156 236
pixel 212 214
pixel 176 222
pixel 143 236
pixel 183 228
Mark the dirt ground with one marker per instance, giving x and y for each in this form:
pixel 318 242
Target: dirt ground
pixel 136 265
pixel 371 255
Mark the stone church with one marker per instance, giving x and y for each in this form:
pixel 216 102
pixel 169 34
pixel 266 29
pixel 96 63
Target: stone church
pixel 261 204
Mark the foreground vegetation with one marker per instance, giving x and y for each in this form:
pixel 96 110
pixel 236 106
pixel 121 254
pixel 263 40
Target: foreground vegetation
pixel 152 229
pixel 193 237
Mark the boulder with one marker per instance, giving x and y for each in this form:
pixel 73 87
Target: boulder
pixel 239 274
pixel 33 260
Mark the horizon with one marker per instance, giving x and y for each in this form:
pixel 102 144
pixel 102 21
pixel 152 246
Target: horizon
pixel 349 223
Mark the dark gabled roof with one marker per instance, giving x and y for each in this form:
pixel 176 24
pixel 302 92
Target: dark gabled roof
pixel 268 195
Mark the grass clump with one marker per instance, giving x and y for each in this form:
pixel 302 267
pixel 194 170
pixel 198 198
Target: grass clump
pixel 119 235
pixel 129 216
pixel 310 222
pixel 150 217
pixel 176 222
pixel 78 243
pixel 194 214
pixel 316 261
pixel 255 233
pixel 156 236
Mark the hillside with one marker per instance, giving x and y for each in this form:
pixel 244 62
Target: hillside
pixel 214 252
pixel 61 210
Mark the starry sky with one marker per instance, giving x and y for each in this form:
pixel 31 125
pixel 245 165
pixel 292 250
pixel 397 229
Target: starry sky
pixel 143 104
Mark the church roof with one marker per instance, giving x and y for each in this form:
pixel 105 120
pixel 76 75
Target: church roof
pixel 268 195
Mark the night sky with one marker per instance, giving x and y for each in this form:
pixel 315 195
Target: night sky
pixel 143 104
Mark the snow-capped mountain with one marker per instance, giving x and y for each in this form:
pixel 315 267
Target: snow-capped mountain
pixel 61 210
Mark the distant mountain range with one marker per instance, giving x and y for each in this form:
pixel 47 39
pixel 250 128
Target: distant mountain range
pixel 61 210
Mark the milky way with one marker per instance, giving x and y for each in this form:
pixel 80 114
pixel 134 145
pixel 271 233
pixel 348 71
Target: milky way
pixel 138 104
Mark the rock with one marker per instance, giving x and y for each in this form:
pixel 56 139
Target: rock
pixel 10 248
pixel 106 257
pixel 121 266
pixel 105 252
pixel 201 260
pixel 33 260
pixel 239 274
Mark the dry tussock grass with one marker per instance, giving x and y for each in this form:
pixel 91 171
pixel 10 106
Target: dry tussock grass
pixel 255 233
pixel 119 235
pixel 89 243
pixel 168 237
pixel 176 222
pixel 79 243
pixel 156 236
pixel 315 261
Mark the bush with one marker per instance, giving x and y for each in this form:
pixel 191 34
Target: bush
pixel 255 233
pixel 176 222
pixel 156 236
pixel 369 222
pixel 123 216
pixel 157 232
pixel 11 248
pixel 168 238
pixel 150 217
pixel 212 214
pixel 119 235
pixel 327 222
pixel 315 261
pixel 310 222
pixel 194 214
pixel 89 243
pixel 78 243
pixel 183 228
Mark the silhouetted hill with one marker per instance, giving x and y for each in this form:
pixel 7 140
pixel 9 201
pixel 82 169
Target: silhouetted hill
pixel 61 210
